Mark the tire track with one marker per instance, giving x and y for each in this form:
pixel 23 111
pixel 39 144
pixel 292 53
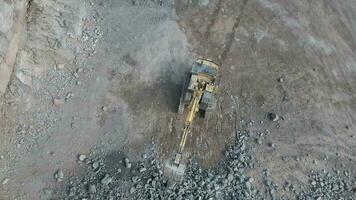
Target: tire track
pixel 231 36
pixel 213 18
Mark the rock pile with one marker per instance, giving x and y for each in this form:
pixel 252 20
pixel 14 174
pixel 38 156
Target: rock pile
pixel 326 185
pixel 228 180
pixel 145 180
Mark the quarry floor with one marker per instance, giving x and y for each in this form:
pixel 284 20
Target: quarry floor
pixel 92 77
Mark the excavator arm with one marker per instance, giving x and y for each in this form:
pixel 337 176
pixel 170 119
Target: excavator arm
pixel 193 109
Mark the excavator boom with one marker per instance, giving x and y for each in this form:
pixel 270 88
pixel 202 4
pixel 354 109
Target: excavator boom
pixel 194 108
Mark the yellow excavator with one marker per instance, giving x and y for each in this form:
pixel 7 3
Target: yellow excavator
pixel 198 96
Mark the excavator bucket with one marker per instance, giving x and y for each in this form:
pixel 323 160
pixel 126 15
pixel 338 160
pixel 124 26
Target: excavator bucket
pixel 174 172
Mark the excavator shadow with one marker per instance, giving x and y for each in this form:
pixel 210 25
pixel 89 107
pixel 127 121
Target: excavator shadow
pixel 170 84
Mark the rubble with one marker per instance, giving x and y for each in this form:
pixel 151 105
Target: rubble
pixel 326 185
pixel 228 180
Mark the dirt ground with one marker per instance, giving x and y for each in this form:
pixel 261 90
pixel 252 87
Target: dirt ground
pixel 92 77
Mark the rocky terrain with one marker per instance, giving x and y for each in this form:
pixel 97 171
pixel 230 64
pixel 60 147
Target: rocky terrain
pixel 115 177
pixel 89 92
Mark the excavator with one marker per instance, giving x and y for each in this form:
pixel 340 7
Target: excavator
pixel 198 97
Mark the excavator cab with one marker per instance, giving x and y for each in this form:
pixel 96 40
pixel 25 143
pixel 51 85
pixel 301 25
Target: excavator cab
pixel 202 70
pixel 198 96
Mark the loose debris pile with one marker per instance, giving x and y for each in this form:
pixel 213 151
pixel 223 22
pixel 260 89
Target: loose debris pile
pixel 145 180
pixel 228 180
pixel 325 185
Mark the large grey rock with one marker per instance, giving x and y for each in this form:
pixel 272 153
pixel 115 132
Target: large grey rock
pixel 92 189
pixel 106 180
pixel 59 175
pixel 82 157
pixel 273 117
pixel 127 163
